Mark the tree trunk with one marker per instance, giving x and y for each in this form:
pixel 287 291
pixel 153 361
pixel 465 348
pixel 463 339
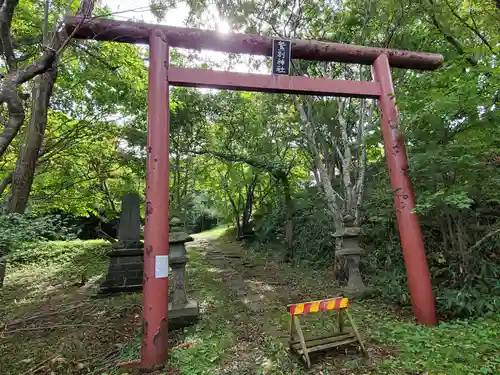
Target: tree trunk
pixel 317 179
pixel 105 190
pixel 289 210
pixel 453 240
pixel 247 213
pixel 41 93
pixel 443 234
pixel 6 182
pixel 25 167
pixel 346 159
pixel 176 187
pixel 330 194
pixel 360 183
pixel 239 231
pixel 3 266
pixel 10 95
pixel 236 215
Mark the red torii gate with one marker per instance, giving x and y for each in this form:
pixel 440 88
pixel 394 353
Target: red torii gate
pixel 154 348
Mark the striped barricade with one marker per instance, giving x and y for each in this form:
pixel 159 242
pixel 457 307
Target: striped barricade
pixel 303 346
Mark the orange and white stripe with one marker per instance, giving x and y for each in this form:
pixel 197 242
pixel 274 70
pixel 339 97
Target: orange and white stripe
pixel 321 305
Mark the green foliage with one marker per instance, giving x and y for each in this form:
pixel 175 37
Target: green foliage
pixel 221 143
pixel 468 301
pixel 313 240
pixel 461 347
pixel 80 166
pixel 54 252
pixel 75 261
pixel 17 230
pixel 208 352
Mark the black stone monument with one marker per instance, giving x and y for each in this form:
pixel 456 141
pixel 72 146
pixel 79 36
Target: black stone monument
pixel 126 257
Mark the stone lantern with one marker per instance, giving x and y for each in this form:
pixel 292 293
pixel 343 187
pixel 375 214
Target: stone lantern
pixel 181 311
pixel 351 252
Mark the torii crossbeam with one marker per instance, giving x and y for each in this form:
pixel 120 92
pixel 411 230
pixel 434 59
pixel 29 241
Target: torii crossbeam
pixel 154 348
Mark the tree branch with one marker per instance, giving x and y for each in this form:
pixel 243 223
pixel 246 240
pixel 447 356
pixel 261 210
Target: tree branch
pixel 98 58
pixel 277 172
pixel 9 95
pixel 50 54
pixel 475 31
pixel 450 38
pixel 6 182
pixel 6 13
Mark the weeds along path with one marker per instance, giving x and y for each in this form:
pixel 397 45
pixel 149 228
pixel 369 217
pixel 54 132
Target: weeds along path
pixel 244 323
pixel 50 324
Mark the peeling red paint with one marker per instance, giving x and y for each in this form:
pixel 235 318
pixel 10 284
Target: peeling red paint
pixel 154 350
pixel 189 77
pixel 417 270
pixel 162 331
pixel 149 208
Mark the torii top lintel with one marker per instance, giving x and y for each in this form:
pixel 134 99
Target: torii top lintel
pixel 136 32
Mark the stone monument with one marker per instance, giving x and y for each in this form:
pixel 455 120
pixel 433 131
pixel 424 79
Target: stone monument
pixel 126 261
pixel 126 264
pixel 351 252
pixel 181 311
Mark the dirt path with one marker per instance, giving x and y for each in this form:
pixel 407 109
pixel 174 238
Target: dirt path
pixel 257 296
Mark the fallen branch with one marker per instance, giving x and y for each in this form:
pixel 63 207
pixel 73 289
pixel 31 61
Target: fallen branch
pixel 53 327
pixel 37 316
pixel 183 345
pixel 39 365
pixel 105 235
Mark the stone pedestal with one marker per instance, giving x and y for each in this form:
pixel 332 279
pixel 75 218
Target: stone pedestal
pixel 351 252
pixel 180 316
pixel 125 270
pixel 181 311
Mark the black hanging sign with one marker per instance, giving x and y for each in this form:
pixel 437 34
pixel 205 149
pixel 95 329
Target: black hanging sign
pixel 281 56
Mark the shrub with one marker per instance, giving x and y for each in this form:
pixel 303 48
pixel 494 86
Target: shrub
pixel 51 252
pixel 312 228
pixel 465 277
pixel 204 221
pixel 17 229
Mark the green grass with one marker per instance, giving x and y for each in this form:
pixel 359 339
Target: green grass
pixel 38 272
pixel 397 344
pixel 212 233
pixel 229 339
pixel 73 333
pixel 455 348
